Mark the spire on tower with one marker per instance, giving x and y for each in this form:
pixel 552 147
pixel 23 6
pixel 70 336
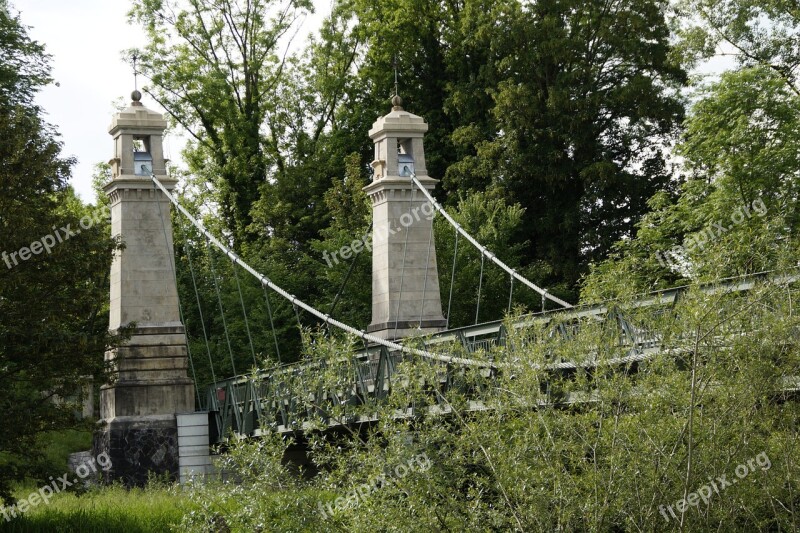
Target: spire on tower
pixel 394 64
pixel 397 102
pixel 136 96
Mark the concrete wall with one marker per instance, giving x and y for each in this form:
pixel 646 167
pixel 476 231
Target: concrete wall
pixel 193 446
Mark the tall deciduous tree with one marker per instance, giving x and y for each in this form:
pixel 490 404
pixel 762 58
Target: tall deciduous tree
pixel 260 118
pixel 568 107
pixel 585 105
pixel 218 68
pixel 737 213
pixel 559 106
pixel 56 256
pixel 757 32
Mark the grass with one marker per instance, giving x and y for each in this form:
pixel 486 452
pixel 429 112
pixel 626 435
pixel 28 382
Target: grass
pixel 57 445
pixel 156 508
pixel 108 509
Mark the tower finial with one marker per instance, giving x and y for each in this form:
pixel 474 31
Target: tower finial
pixel 396 84
pixel 135 72
pixel 397 102
pixel 136 96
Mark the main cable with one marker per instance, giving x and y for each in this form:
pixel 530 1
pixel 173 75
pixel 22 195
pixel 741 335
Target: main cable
pixel 299 303
pixel 483 250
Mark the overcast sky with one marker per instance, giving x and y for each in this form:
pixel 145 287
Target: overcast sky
pixel 85 38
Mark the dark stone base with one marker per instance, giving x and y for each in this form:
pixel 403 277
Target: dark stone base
pixel 137 447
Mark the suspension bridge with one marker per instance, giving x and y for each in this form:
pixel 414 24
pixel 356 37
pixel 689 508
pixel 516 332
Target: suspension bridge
pixel 283 399
pixel 139 410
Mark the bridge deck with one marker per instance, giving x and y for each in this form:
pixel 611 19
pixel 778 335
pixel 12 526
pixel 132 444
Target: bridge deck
pixel 290 399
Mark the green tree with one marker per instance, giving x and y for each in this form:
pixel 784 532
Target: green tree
pixel 580 155
pixel 565 106
pixel 759 33
pixel 218 69
pixel 25 64
pixel 487 217
pixel 347 290
pixel 584 108
pixel 737 213
pixel 264 147
pixel 56 257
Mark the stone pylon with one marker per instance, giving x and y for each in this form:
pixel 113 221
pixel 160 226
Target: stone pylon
pixel 405 280
pixel 138 408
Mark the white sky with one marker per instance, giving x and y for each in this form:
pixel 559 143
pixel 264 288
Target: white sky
pixel 86 38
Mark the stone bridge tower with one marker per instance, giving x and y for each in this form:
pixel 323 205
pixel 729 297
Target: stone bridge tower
pixel 138 409
pixel 405 282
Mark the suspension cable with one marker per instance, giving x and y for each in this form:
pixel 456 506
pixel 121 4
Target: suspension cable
pixel 299 322
pixel 272 324
pixel 173 267
pixel 296 301
pixel 484 251
pixel 452 279
pixel 219 301
pixel 510 294
pixel 480 286
pixel 347 276
pixel 244 313
pixel 199 306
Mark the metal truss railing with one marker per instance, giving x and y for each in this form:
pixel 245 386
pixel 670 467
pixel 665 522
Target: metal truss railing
pixel 290 398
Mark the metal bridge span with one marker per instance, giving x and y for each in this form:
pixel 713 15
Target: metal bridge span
pixel 291 399
pixel 286 400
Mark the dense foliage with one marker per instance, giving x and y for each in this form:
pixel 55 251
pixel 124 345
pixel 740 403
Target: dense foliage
pixel 562 111
pixel 56 256
pixel 700 437
pixel 614 446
